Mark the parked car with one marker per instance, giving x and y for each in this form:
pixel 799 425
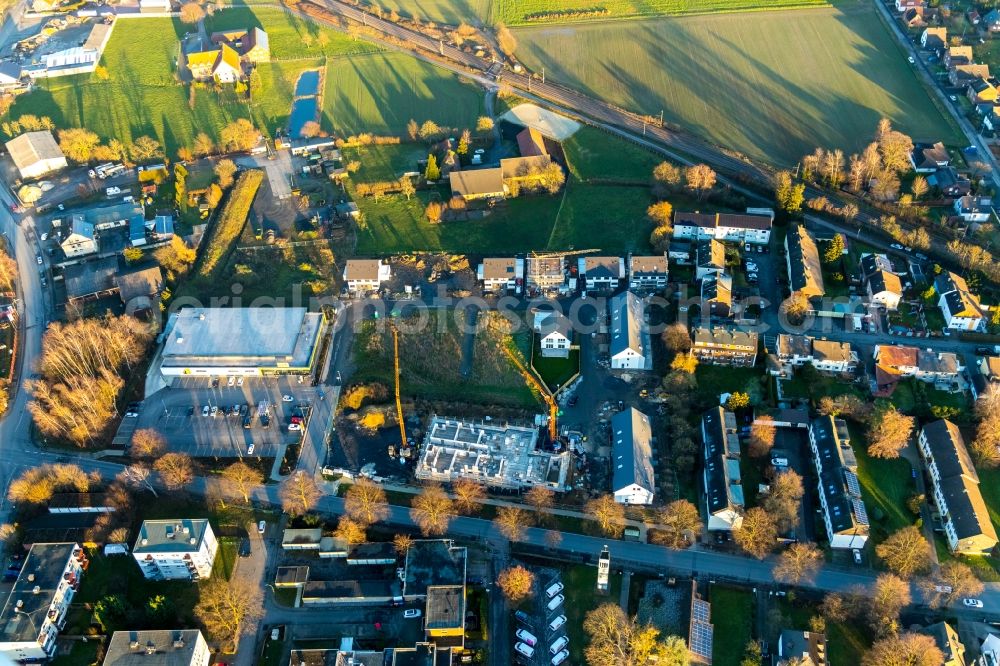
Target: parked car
pixel 556 602
pixel 526 650
pixel 526 636
pixel 521 616
pixel 972 603
pixel 231 382
pixel 559 644
pixel 560 658
pixel 779 462
pixel 287 398
pixel 295 426
pixel 411 613
pixel 204 410
pixel 557 623
pixel 896 246
pixel 250 450
pixel 215 410
pixel 911 60
pixel 239 381
pixel 857 556
pixel 554 589
pixel 261 526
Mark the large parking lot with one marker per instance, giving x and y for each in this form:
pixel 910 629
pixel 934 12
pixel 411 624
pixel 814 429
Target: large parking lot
pixel 178 414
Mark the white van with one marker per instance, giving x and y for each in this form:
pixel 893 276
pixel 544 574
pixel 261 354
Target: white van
pixel 556 603
pixel 526 636
pixel 557 623
pixel 560 643
pixel 560 658
pixel 554 589
pixel 526 650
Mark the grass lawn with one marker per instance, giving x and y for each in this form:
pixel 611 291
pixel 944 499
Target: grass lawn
pixel 7 340
pixel 593 153
pixel 845 641
pixel 556 371
pixel 773 85
pixel 82 654
pixel 380 93
pixel 714 380
pixel 581 596
pixel 225 558
pixel 885 487
pixel 385 162
pixel 516 12
pixel 732 612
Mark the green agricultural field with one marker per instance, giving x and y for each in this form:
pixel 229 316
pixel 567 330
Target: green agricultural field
pixel 773 85
pixel 381 93
pixel 451 12
pixel 291 37
pixel 517 12
pixel 387 162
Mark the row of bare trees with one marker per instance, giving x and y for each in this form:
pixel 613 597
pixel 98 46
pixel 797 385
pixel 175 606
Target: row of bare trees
pixel 80 368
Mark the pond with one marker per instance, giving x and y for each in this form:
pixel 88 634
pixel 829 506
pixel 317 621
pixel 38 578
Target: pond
pixel 303 111
pixel 308 83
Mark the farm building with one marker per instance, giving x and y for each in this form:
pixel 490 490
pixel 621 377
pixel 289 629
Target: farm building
pixel 36 154
pixel 477 184
pixel 49 62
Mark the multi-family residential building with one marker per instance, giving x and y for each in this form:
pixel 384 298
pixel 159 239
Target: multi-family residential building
pixel 36 608
pixel 630 346
pixel 179 549
pixel 750 227
pixel 882 285
pixel 710 258
pixel 844 514
pixel 725 345
pixel 544 274
pixel 601 273
pixel 365 275
pixel 555 333
pixel 808 646
pixel 632 480
pixel 805 273
pixel 934 38
pixel 961 308
pixel 986 379
pixel 679 252
pixel 950 182
pixel 717 296
pixel 169 647
pixel 724 499
pixel 956 55
pixel 964 516
pixel 648 273
pixel 501 275
pixel 947 640
pixel 792 351
pixel 903 5
pixel 894 363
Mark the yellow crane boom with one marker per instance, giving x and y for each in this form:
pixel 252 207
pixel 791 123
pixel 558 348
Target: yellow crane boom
pixel 399 403
pixel 542 389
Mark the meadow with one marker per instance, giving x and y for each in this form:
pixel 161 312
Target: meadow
pixel 772 85
pixel 603 206
pixel 518 12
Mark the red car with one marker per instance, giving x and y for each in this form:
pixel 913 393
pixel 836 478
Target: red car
pixel 296 419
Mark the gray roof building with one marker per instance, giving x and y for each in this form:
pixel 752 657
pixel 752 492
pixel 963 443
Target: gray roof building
pixel 171 536
pixel 431 563
pixel 793 643
pixel 630 347
pixel 181 647
pixel 805 273
pixel 840 490
pixel 723 482
pixel 632 480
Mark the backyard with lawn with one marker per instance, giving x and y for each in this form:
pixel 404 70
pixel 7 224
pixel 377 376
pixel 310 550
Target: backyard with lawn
pixel 732 612
pixel 886 485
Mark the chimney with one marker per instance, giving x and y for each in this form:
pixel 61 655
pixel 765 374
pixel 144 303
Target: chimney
pixel 36 590
pixel 20 603
pixel 192 541
pixel 134 645
pixel 31 578
pixel 150 648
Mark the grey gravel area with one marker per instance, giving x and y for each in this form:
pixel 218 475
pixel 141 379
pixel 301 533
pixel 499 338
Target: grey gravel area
pixel 666 607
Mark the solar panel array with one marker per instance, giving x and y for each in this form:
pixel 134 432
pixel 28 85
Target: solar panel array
pixel 700 635
pixel 853 487
pixel 860 514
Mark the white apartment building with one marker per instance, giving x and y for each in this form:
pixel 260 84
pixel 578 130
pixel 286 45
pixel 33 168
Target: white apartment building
pixel 844 514
pixel 178 549
pixel 751 227
pixel 500 275
pixel 648 273
pixel 180 647
pixel 630 346
pixel 632 478
pixel 36 609
pixel 601 273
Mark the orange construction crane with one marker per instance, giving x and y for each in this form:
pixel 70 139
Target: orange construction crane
pixel 399 404
pixel 541 388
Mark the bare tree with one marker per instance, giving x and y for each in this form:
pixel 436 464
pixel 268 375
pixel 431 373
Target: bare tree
pixel 762 435
pixel 225 171
pixel 676 338
pixel 176 470
pixel 516 583
pixel 299 494
pixel 890 595
pixel 609 514
pixel 366 502
pixel 402 543
pixel 8 272
pixel 350 530
pixel 907 649
pixel 227 610
pixel 906 552
pixel 784 499
pixel 242 478
pixel 700 178
pixel 952 581
pixel 679 524
pixel 800 562
pixel 147 443
pixel 137 476
pixel 540 498
pixel 512 521
pixel 985 446
pixel 191 13
pixel 758 533
pixel 36 485
pixel 469 495
pixel 618 640
pixel 432 510
pixel 889 433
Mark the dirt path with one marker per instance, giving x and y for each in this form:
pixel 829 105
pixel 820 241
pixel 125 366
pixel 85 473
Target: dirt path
pixel 469 340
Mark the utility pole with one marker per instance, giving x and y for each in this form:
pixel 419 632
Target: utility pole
pixel 661 117
pixel 543 75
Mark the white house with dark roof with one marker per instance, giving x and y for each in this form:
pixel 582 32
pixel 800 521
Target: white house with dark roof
pixel 843 509
pixel 749 227
pixel 723 484
pixel 177 549
pixel 957 498
pixel 710 258
pixel 601 273
pixel 500 275
pixel 364 275
pixel 961 308
pixel 973 208
pixel 632 480
pixel 929 157
pixel 555 333
pixel 882 285
pixel 630 346
pixel 648 273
